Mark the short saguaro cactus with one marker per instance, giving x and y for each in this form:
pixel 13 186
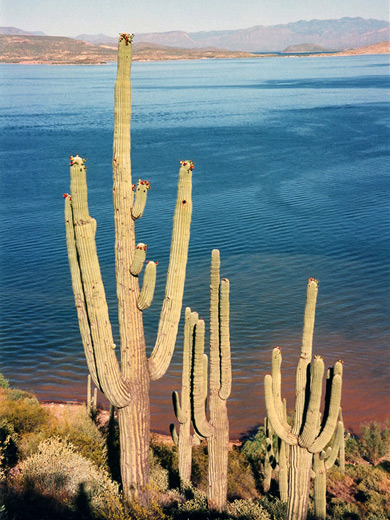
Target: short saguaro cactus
pixel 309 435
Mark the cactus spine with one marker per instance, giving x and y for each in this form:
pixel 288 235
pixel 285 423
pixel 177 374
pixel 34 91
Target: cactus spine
pixel 308 434
pixel 216 431
pixel 126 386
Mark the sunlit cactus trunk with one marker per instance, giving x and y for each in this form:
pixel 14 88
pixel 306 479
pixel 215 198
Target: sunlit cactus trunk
pixel 126 385
pixel 308 435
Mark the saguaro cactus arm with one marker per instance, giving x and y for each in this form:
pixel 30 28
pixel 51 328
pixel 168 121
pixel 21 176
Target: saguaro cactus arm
pixel 171 309
pixel 306 353
pixel 339 437
pixel 309 432
pixel 180 416
pixel 146 296
pixel 108 373
pixel 201 425
pixel 226 365
pixel 277 381
pixel 139 259
pixel 281 428
pixel 141 192
pixel 174 435
pixel 329 427
pixel 78 291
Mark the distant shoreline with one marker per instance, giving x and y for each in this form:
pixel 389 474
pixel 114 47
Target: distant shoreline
pixel 341 54
pixel 24 50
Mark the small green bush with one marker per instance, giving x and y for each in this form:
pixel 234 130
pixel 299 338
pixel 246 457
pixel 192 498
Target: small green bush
pixel 247 510
pixel 375 441
pixel 164 456
pixel 4 383
pixel 194 506
pixel 15 394
pixel 275 507
pixel 241 482
pixel 84 434
pixel 352 449
pixel 159 476
pixel 77 428
pixel 136 512
pixel 59 472
pixel 199 472
pixel 254 447
pixel 25 413
pixel 344 510
pixel 8 446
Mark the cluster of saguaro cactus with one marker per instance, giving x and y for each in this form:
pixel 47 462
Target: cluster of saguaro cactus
pixel 195 393
pixel 185 439
pixel 126 385
pixel 308 435
pixel 216 429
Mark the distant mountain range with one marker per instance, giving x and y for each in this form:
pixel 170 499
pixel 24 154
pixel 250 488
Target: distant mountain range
pixel 344 33
pixel 14 31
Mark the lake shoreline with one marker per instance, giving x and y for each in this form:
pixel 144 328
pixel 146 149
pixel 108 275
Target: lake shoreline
pixel 382 48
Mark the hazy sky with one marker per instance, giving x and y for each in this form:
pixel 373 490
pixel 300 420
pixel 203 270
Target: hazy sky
pixel 73 17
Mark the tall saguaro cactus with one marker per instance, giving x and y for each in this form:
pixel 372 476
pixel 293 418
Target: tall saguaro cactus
pixel 126 385
pixel 308 435
pixel 216 430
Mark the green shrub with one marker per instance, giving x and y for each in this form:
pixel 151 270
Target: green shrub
pixel 241 483
pixel 57 471
pixel 352 449
pixel 15 394
pixel 8 447
pixel 77 428
pixel 164 456
pixel 84 434
pixel 199 473
pixel 136 512
pixel 362 493
pixel 375 441
pixel 275 507
pixel 159 476
pixel 194 506
pixel 25 413
pixel 247 510
pixel 344 510
pixel 253 448
pixel 4 383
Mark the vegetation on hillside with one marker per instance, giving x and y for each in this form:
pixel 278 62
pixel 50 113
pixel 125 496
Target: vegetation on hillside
pixel 66 468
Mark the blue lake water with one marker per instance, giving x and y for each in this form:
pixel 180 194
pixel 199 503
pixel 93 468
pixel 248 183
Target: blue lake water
pixel 291 180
